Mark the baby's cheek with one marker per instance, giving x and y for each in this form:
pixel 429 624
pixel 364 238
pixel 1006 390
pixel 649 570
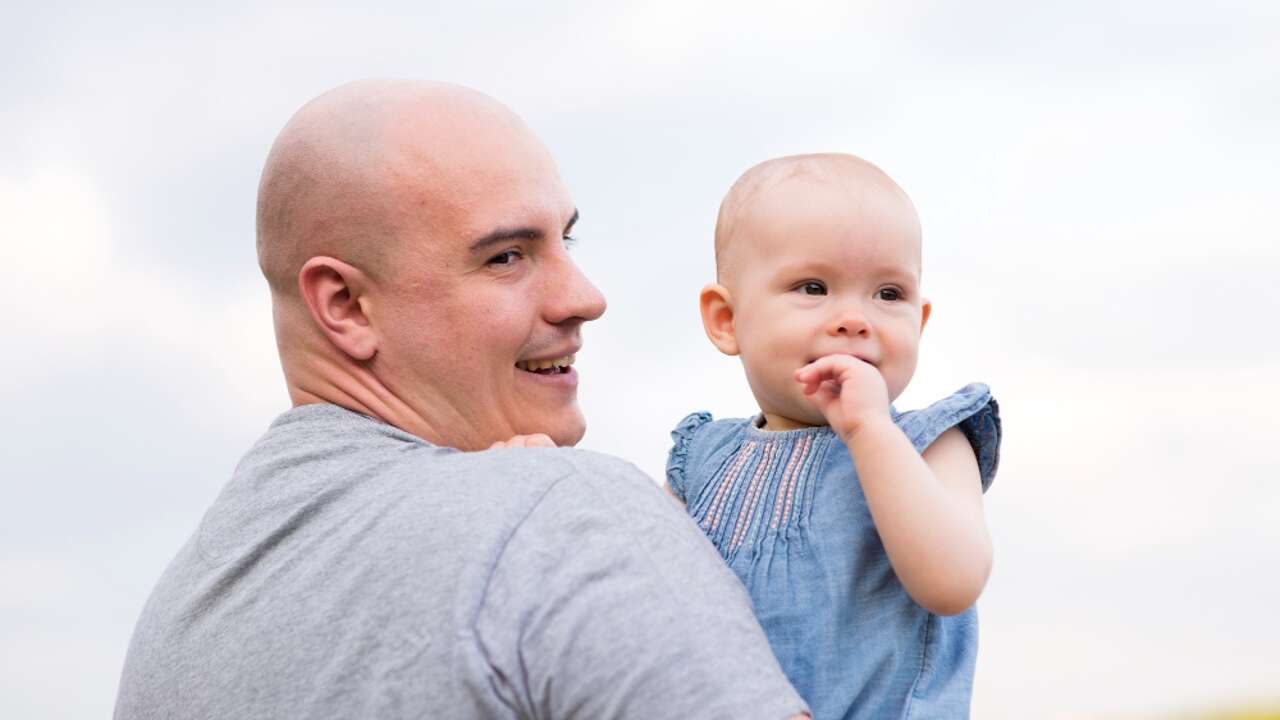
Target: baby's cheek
pixel 766 376
pixel 899 374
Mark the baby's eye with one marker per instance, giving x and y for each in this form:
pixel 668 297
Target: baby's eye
pixel 505 258
pixel 570 241
pixel 889 294
pixel 812 287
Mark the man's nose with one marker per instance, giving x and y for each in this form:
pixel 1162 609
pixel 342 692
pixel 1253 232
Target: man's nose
pixel 571 297
pixel 849 321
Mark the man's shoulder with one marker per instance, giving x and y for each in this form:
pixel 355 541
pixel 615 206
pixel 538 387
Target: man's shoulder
pixel 327 446
pixel 604 501
pixel 572 487
pixel 480 491
pixel 517 478
pixel 504 466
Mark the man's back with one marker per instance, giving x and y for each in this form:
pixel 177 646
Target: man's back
pixel 350 569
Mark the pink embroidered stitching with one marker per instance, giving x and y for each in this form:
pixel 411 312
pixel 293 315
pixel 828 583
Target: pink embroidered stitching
pixel 795 478
pixel 747 510
pixel 717 503
pixel 786 479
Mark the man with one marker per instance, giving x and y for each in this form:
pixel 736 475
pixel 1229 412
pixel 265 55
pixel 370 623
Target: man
pixel 362 561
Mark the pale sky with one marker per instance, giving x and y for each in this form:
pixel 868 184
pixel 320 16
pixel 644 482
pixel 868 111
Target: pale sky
pixel 1099 186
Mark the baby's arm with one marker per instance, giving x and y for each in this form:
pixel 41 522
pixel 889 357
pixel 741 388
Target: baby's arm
pixel 927 510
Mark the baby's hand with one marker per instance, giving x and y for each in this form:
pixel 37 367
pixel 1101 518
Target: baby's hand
pixel 535 440
pixel 849 392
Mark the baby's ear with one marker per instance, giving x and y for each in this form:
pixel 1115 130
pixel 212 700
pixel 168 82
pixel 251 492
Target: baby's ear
pixel 926 309
pixel 717 317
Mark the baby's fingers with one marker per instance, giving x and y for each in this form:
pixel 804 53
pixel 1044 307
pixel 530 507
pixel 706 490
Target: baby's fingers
pixel 810 378
pixel 535 440
pixel 826 385
pixel 829 367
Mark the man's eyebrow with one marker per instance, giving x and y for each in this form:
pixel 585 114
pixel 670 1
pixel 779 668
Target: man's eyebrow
pixel 516 233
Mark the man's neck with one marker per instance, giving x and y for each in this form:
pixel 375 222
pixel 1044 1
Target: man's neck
pixel 358 390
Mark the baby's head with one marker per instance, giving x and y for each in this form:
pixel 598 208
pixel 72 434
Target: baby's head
pixel 815 255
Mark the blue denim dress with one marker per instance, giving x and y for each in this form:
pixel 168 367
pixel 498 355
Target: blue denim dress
pixel 787 513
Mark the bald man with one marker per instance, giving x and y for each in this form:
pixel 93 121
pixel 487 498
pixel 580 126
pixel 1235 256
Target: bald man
pixel 383 551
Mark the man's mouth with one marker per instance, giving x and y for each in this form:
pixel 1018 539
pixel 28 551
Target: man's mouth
pixel 554 366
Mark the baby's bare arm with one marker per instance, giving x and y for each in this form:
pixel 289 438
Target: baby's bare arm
pixel 928 512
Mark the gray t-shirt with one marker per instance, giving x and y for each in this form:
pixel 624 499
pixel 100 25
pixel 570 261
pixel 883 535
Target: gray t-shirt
pixel 350 569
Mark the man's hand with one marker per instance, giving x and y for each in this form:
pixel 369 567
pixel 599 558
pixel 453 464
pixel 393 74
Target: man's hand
pixel 849 392
pixel 535 440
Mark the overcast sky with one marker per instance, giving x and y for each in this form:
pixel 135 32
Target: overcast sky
pixel 1099 185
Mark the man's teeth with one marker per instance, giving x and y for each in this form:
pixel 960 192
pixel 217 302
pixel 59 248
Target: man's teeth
pixel 536 365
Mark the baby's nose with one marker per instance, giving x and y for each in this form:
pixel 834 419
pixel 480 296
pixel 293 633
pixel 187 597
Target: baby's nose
pixel 850 323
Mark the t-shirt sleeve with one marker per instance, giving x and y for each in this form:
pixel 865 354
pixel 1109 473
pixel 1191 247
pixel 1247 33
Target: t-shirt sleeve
pixel 678 457
pixel 608 603
pixel 974 411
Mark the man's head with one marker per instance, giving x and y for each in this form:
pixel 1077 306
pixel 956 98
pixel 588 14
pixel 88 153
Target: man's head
pixel 413 236
pixel 815 255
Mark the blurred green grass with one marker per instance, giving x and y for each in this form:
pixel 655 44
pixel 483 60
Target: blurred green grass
pixel 1225 711
pixel 1254 713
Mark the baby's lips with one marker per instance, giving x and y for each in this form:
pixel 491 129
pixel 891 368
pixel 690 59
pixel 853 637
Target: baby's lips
pixel 855 356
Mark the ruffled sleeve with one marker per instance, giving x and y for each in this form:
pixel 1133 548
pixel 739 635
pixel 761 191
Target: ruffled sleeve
pixel 682 438
pixel 974 411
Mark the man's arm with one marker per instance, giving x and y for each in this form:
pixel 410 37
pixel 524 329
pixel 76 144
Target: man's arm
pixel 607 602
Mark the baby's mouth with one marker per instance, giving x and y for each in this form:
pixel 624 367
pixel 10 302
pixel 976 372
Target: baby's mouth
pixel 555 366
pixel 810 361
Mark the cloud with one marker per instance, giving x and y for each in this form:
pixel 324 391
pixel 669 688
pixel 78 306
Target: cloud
pixel 1096 184
pixel 75 293
pixel 55 227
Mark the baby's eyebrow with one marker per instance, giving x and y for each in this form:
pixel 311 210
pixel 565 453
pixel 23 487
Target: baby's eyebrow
pixel 806 266
pixel 908 275
pixel 902 275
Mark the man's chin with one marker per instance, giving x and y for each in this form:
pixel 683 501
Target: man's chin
pixel 565 429
pixel 571 435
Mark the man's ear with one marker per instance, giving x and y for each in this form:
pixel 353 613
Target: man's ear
pixel 926 309
pixel 334 293
pixel 717 317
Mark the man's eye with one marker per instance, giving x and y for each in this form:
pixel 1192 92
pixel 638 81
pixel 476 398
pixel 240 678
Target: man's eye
pixel 506 258
pixel 812 287
pixel 890 294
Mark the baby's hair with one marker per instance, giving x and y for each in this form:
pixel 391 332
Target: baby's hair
pixel 820 167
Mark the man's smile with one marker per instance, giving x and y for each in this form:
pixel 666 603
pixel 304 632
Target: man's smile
pixel 554 366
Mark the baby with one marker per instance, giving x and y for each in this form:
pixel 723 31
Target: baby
pixel 858 530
